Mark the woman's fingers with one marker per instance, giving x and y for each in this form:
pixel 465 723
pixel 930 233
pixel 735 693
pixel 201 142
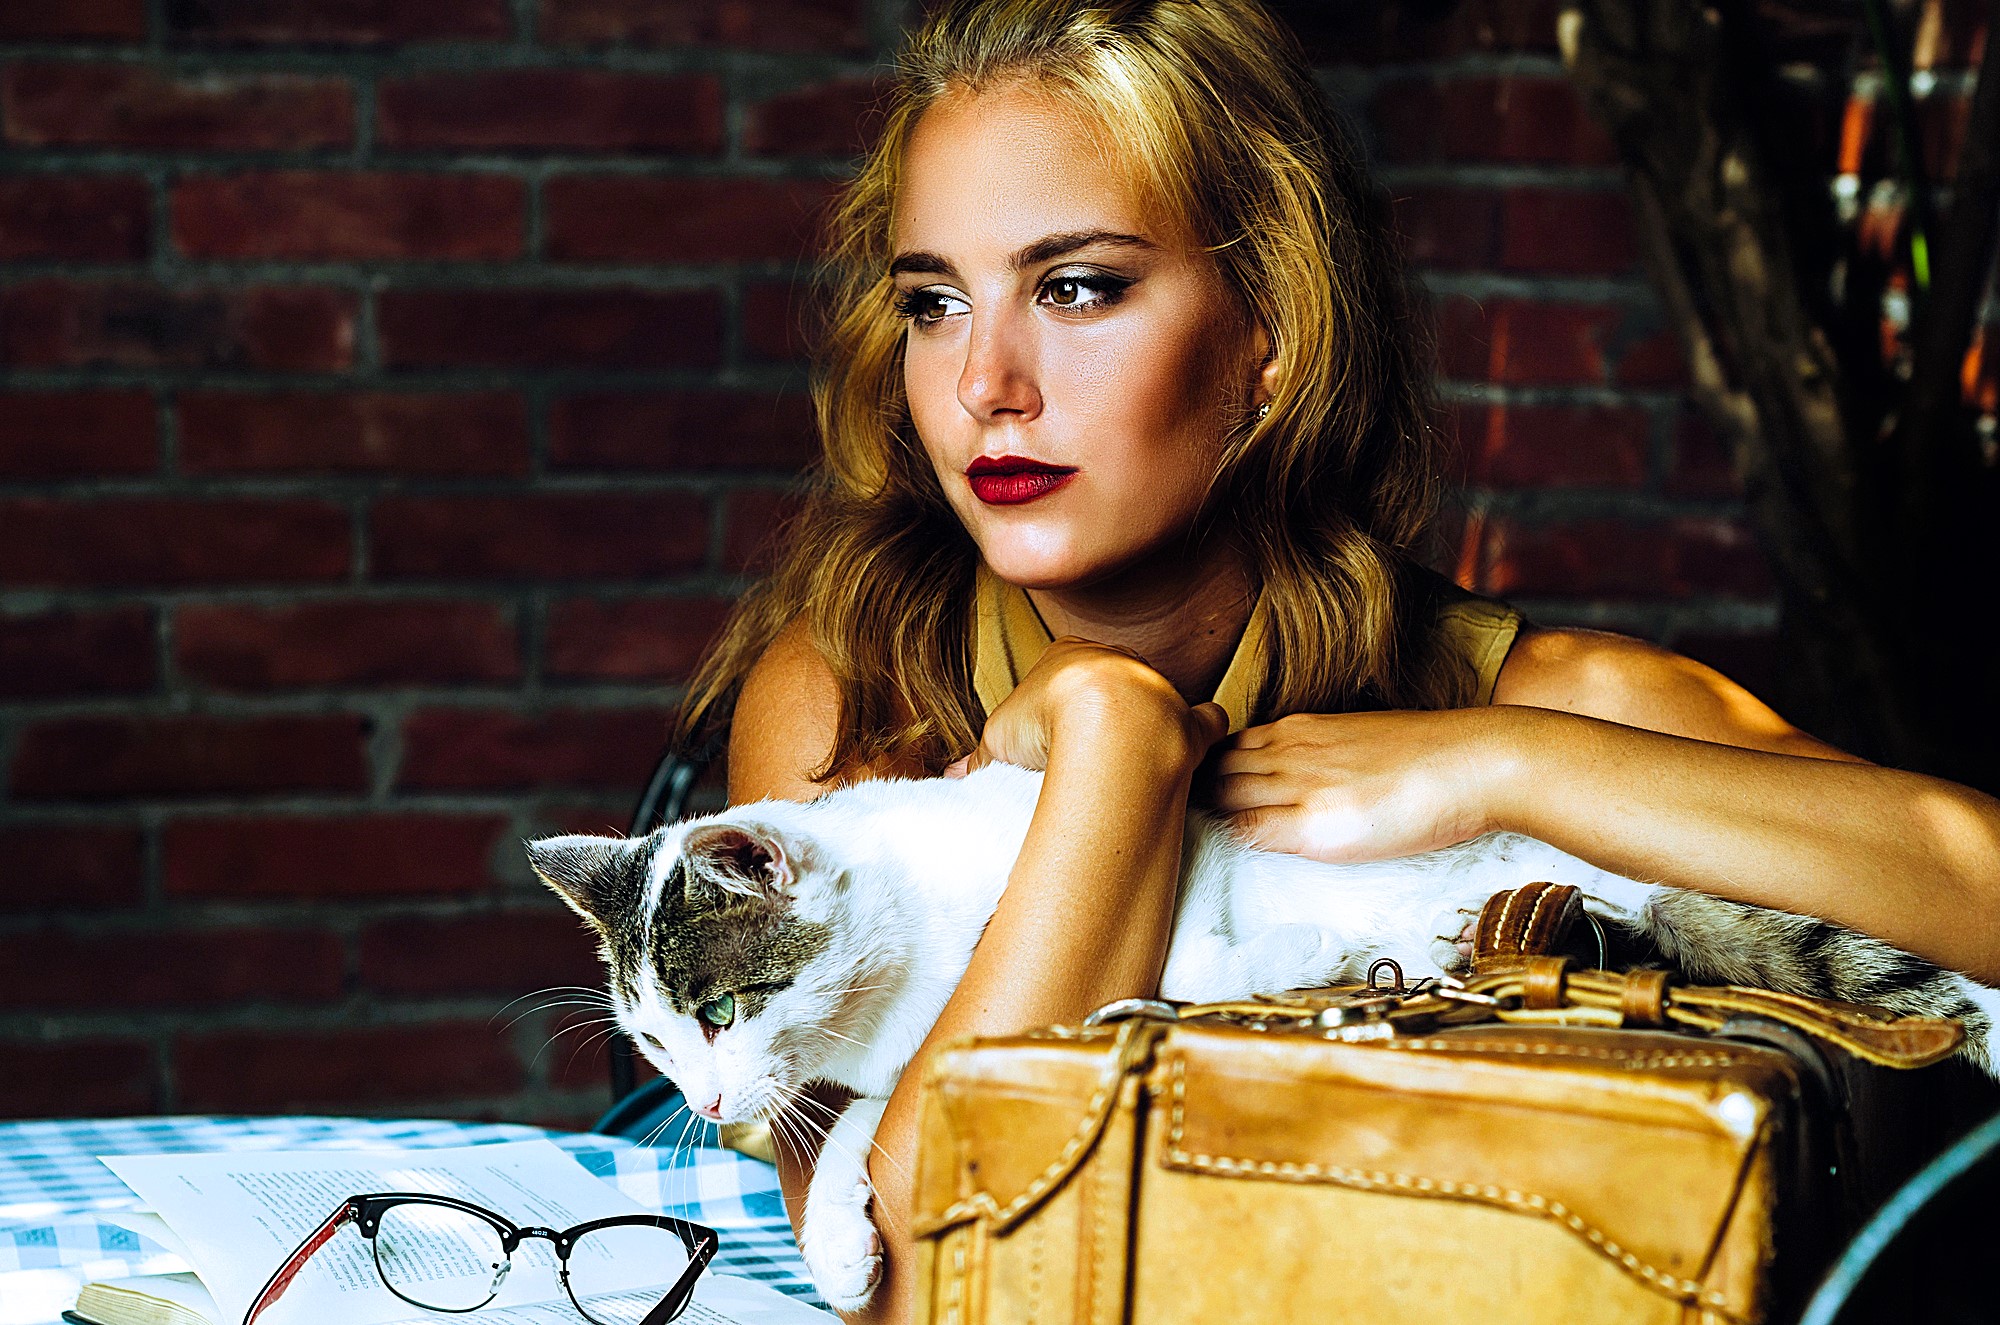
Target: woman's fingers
pixel 1211 723
pixel 1247 791
pixel 1271 827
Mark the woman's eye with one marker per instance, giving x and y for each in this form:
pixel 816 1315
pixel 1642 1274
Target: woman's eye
pixel 925 307
pixel 719 1011
pixel 1069 292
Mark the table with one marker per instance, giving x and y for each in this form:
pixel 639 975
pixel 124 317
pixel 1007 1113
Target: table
pixel 52 1190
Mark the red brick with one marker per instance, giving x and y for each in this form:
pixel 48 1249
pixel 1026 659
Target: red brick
pixel 565 536
pixel 1515 120
pixel 1750 658
pixel 46 655
pixel 625 218
pixel 1524 344
pixel 364 856
pixel 1655 361
pixel 1567 232
pixel 631 639
pixel 73 434
pixel 541 110
pixel 76 1079
pixel 1702 465
pixel 551 328
pixel 682 430
pixel 125 324
pixel 293 1071
pixel 753 526
pixel 138 105
pixel 1451 229
pixel 1504 25
pixel 53 968
pixel 777 321
pixel 98 758
pixel 348 215
pixel 74 218
pixel 771 25
pixel 74 20
pixel 337 22
pixel 840 117
pixel 480 749
pixel 1535 446
pixel 371 432
pixel 146 541
pixel 507 952
pixel 1603 558
pixel 313 645
pixel 60 867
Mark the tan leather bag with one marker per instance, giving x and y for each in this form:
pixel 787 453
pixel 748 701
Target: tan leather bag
pixel 1540 1145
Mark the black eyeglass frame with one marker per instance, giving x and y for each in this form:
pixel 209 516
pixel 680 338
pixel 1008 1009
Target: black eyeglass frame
pixel 365 1213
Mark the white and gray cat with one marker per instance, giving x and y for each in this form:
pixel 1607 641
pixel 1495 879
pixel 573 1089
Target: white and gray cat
pixel 776 944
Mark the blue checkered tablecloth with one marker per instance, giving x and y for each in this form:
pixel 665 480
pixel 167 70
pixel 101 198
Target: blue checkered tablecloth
pixel 54 1193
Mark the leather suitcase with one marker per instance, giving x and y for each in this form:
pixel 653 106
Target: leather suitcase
pixel 1540 1144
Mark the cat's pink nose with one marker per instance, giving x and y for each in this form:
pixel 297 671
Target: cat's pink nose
pixel 711 1110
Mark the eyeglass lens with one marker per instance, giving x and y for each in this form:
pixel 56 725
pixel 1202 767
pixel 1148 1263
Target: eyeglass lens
pixel 440 1258
pixel 601 1270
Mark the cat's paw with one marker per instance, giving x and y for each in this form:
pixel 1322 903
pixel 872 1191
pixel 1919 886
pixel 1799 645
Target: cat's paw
pixel 842 1250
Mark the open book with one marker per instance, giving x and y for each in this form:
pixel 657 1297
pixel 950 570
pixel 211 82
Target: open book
pixel 234 1217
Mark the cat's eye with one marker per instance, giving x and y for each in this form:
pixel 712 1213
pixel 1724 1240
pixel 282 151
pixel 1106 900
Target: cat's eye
pixel 653 1040
pixel 719 1011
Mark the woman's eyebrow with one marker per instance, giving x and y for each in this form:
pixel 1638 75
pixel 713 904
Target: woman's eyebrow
pixel 1045 249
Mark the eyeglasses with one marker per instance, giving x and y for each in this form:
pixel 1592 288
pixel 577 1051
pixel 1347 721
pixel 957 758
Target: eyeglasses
pixel 443 1254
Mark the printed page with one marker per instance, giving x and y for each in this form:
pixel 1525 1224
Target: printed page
pixel 241 1214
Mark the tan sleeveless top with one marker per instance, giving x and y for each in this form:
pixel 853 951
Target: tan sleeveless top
pixel 1009 636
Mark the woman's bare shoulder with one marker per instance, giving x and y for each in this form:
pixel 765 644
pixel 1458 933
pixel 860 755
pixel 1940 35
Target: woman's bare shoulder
pixel 785 721
pixel 1620 679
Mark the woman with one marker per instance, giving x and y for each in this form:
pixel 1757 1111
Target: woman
pixel 1125 415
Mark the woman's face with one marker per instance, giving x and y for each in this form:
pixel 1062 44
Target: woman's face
pixel 1071 364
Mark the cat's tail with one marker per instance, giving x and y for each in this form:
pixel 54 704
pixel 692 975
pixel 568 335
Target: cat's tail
pixel 1713 941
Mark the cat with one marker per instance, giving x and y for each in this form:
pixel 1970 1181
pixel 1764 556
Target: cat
pixel 780 943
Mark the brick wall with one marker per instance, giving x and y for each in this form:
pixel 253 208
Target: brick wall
pixel 396 393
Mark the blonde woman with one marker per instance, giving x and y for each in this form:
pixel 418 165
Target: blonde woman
pixel 1124 409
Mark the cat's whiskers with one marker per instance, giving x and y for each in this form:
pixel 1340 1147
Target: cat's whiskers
pixel 560 1031
pixel 833 1115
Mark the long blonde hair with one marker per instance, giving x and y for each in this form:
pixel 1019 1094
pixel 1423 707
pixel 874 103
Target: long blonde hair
pixel 1326 495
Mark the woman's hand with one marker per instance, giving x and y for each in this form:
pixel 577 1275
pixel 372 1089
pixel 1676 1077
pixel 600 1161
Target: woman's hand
pixel 1362 786
pixel 1099 693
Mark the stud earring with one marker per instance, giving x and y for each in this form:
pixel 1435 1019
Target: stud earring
pixel 1264 410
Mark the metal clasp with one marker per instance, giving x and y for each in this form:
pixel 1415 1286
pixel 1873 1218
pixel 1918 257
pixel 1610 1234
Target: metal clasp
pixel 1125 1009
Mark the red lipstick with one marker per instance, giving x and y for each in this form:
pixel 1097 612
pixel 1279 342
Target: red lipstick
pixel 1009 480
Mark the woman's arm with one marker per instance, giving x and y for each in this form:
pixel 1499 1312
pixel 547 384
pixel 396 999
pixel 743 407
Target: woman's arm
pixel 1649 765
pixel 1087 909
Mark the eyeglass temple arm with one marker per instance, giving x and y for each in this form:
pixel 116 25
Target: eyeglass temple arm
pixel 678 1297
pixel 279 1282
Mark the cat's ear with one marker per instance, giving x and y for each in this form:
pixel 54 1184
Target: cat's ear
pixel 749 859
pixel 602 878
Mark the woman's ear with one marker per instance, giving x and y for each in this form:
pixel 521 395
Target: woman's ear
pixel 1265 355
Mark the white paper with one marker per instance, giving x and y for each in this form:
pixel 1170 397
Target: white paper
pixel 240 1214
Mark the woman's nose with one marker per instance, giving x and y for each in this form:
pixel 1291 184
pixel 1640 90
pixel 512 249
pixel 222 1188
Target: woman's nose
pixel 999 376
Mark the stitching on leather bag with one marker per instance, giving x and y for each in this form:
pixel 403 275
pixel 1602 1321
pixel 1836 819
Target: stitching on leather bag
pixel 1534 914
pixel 1625 1057
pixel 1094 1115
pixel 956 1296
pixel 1534 1203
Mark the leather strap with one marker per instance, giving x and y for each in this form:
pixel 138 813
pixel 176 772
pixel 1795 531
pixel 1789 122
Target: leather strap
pixel 1643 1001
pixel 1529 921
pixel 1545 983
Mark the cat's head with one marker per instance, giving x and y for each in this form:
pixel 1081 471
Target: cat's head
pixel 733 958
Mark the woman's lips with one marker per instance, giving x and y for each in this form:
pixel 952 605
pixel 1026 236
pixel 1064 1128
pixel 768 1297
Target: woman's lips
pixel 1007 480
